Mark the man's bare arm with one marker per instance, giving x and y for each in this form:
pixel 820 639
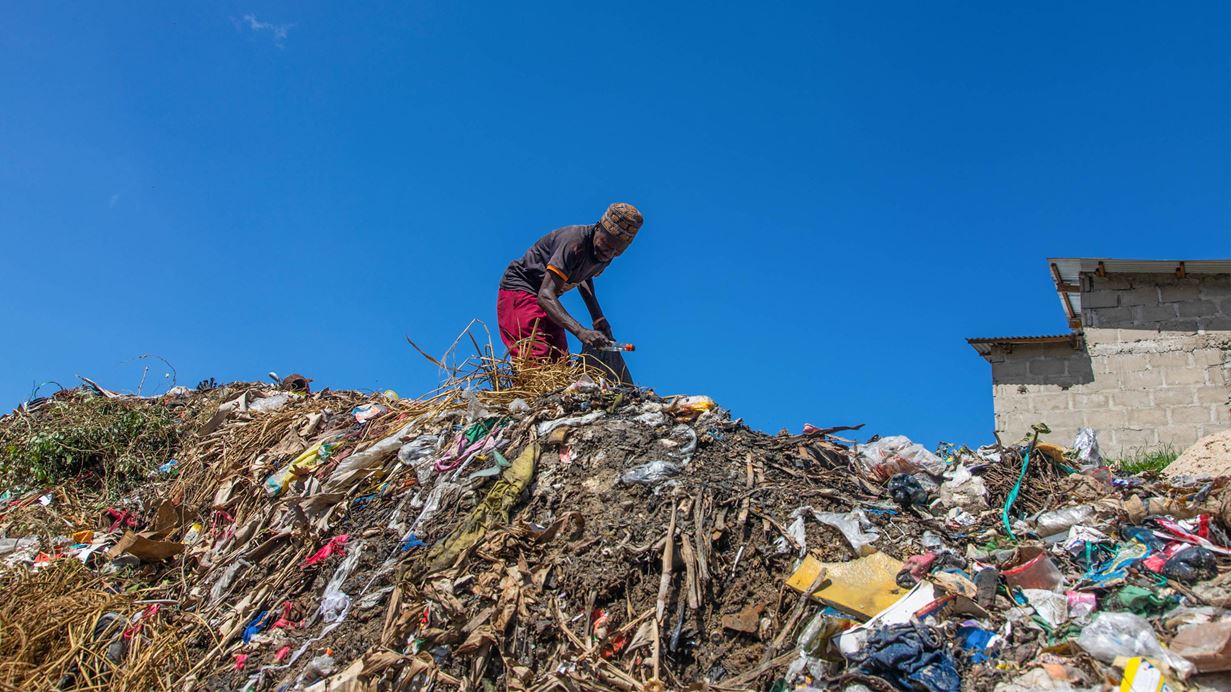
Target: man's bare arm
pixel 549 299
pixel 597 319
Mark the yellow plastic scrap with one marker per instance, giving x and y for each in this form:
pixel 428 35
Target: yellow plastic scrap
pixel 302 464
pixel 1055 453
pixel 492 511
pixel 862 587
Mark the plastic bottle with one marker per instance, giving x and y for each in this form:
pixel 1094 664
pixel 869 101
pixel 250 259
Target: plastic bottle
pixel 617 348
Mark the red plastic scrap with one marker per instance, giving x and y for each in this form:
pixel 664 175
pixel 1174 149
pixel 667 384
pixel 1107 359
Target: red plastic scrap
pixel 335 545
pixel 135 628
pixel 614 646
pixel 920 565
pixel 284 621
pixel 121 518
pixel 282 653
pixel 240 660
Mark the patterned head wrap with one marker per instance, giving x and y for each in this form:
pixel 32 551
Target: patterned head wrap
pixel 621 220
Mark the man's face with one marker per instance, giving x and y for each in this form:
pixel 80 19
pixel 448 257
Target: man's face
pixel 608 247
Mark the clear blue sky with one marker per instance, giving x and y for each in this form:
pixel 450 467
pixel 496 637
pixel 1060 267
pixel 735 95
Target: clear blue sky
pixel 835 194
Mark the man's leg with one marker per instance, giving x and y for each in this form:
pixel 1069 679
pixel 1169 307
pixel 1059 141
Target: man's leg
pixel 522 319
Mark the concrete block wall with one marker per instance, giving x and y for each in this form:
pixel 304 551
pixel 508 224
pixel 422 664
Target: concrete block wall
pixel 1157 302
pixel 1155 369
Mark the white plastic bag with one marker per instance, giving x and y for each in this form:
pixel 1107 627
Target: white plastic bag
pixel 895 454
pixel 1125 634
pixel 854 525
pixel 965 491
pixel 1051 606
pixel 1061 520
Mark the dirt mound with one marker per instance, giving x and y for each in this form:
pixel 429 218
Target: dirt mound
pixel 1210 456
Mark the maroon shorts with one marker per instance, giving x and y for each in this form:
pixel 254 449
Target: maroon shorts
pixel 521 317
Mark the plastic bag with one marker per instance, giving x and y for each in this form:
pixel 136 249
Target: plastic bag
pixel 335 604
pixel 680 444
pixel 965 491
pixel 1060 520
pixel 1051 606
pixel 797 531
pixel 270 403
pixel 1086 447
pixel 1124 634
pixel 896 454
pixel 362 464
pixel 689 407
pixel 1191 565
pixel 546 427
pixel 855 527
pixel 906 490
pixel 650 473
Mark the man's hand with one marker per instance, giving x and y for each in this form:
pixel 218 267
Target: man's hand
pixel 593 338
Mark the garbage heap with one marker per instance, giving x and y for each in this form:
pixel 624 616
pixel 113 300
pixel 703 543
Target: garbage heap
pixel 584 537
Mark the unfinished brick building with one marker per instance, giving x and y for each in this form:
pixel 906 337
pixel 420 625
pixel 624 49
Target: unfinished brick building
pixel 1147 361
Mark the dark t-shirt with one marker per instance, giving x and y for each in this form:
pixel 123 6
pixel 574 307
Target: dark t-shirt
pixel 566 252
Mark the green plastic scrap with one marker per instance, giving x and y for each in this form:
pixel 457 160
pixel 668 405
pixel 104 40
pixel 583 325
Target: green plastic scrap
pixel 1142 601
pixel 1017 487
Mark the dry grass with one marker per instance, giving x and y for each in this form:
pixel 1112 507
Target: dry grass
pixel 58 624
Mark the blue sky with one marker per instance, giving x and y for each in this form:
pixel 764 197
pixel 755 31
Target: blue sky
pixel 835 194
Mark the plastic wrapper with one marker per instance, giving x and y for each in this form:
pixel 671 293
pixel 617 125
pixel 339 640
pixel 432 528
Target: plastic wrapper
pixel 895 454
pixel 1078 536
pixel 362 464
pixel 1086 448
pixel 819 637
pixel 1081 603
pixel 302 465
pixel 651 473
pixel 1125 634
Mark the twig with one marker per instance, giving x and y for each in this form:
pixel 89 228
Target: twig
pixel 664 584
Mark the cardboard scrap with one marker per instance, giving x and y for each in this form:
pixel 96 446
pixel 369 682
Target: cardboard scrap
pixel 747 620
pixel 1207 645
pixel 145 549
pixel 862 587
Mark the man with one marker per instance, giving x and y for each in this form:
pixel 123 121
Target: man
pixel 528 307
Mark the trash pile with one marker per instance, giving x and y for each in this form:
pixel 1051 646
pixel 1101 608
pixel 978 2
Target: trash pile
pixel 578 535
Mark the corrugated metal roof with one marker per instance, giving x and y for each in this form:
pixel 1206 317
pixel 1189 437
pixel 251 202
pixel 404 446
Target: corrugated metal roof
pixel 983 345
pixel 1067 271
